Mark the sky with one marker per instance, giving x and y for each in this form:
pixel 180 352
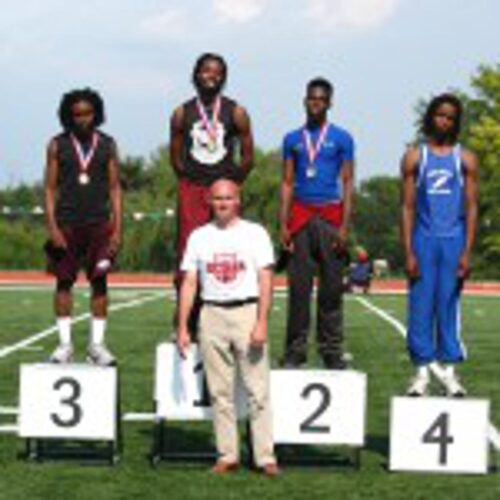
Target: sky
pixel 381 55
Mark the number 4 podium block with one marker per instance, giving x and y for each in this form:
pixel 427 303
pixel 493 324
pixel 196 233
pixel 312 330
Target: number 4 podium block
pixel 77 402
pixel 439 435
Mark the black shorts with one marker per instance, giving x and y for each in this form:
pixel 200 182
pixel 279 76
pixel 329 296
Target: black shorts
pixel 87 247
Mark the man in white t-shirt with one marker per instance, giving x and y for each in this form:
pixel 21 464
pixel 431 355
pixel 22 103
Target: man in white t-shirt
pixel 231 259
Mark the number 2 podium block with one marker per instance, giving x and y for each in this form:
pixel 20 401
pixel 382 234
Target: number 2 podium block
pixel 68 401
pixel 439 435
pixel 318 407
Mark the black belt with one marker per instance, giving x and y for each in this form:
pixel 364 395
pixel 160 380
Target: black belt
pixel 231 303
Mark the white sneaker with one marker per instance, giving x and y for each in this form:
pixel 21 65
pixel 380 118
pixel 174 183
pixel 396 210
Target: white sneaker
pixel 63 353
pixel 100 355
pixel 418 385
pixel 453 387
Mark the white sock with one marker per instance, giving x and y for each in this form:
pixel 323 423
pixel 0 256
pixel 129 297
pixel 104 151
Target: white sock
pixel 423 371
pixel 64 327
pixel 97 330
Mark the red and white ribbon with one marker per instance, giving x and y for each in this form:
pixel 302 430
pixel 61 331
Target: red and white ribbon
pixel 210 125
pixel 84 158
pixel 314 149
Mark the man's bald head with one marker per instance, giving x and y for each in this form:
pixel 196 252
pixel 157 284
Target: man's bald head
pixel 225 186
pixel 225 201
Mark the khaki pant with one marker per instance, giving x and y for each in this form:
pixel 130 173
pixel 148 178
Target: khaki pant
pixel 225 347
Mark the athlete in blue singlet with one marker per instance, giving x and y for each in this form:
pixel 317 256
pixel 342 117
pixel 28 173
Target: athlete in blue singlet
pixel 440 181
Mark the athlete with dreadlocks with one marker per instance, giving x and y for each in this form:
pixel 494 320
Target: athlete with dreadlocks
pixel 84 216
pixel 205 133
pixel 439 219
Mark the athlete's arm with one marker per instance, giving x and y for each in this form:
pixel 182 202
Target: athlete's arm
pixel 115 196
pixel 286 198
pixel 188 291
pixel 409 165
pixel 347 178
pixel 471 189
pixel 51 175
pixel 177 140
pixel 258 337
pixel 242 122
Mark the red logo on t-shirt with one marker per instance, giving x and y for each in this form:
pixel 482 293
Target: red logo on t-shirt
pixel 225 267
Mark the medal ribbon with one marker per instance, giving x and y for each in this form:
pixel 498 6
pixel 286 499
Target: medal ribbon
pixel 314 149
pixel 210 125
pixel 84 159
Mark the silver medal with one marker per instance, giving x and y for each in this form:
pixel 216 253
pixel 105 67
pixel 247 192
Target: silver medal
pixel 311 171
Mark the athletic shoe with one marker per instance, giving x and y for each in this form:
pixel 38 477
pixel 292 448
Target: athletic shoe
pixel 62 354
pixel 418 385
pixel 334 362
pixel 100 355
pixel 453 387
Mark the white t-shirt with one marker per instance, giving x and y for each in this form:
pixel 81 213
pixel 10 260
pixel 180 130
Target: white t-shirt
pixel 228 259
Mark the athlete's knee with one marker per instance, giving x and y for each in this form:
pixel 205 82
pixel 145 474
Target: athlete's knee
pixel 64 285
pixel 99 286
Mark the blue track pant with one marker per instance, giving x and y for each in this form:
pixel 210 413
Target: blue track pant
pixel 434 301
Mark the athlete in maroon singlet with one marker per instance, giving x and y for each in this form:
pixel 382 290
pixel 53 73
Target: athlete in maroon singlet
pixel 84 216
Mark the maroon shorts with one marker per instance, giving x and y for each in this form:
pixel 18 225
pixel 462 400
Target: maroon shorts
pixel 87 247
pixel 193 210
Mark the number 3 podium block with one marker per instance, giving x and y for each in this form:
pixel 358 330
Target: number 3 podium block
pixel 439 435
pixel 68 401
pixel 318 407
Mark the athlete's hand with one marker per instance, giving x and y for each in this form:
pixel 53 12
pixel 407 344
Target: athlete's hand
pixel 183 342
pixel 258 337
pixel 57 238
pixel 464 266
pixel 115 242
pixel 286 238
pixel 411 266
pixel 340 242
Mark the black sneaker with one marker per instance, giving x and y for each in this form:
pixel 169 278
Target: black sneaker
pixel 334 363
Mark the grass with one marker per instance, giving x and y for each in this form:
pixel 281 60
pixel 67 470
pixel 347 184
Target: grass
pixel 133 334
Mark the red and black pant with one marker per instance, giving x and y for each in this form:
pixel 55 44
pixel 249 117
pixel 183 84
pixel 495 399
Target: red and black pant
pixel 314 252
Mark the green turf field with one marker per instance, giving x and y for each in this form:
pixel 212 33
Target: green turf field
pixel 378 350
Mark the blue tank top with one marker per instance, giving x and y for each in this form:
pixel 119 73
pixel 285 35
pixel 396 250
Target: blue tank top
pixel 440 204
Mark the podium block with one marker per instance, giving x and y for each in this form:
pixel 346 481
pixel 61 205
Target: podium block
pixel 181 391
pixel 318 407
pixel 69 402
pixel 75 401
pixel 439 435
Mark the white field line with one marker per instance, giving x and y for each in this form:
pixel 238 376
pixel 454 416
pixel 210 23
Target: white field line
pixel 493 432
pixel 9 410
pixel 5 351
pixel 8 429
pixel 138 417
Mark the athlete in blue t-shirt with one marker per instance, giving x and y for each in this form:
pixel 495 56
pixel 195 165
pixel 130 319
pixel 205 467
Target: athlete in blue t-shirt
pixel 316 194
pixel 439 219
